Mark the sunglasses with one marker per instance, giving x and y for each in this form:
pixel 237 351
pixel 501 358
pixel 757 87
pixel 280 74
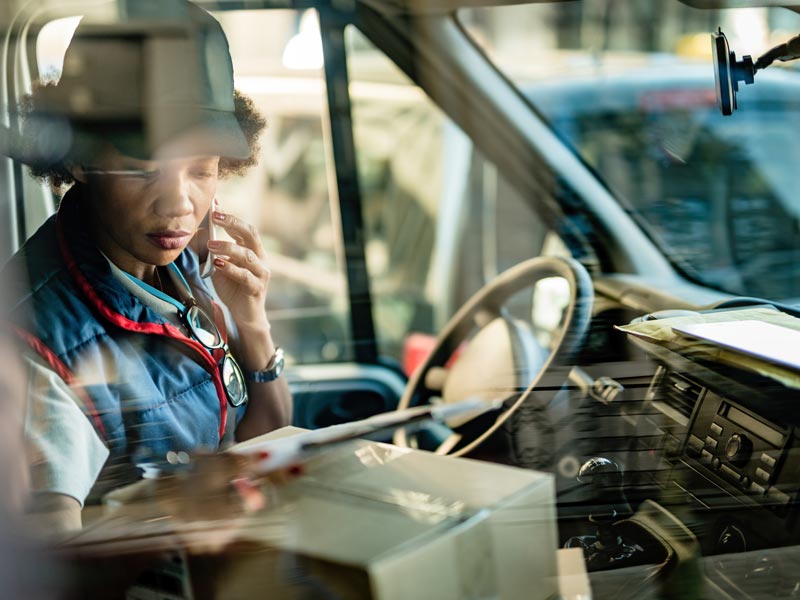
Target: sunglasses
pixel 203 329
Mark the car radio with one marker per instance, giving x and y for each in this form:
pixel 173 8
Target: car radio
pixel 737 446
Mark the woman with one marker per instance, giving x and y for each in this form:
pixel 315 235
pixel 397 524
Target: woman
pixel 134 357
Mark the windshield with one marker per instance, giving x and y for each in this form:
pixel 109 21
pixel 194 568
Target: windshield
pixel 634 97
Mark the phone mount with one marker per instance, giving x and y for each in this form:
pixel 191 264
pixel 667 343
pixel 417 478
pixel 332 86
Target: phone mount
pixel 728 72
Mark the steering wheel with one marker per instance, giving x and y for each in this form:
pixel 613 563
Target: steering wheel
pixel 503 360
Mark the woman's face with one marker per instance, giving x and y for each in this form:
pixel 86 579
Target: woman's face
pixel 144 213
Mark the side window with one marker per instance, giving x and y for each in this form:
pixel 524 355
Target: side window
pixel 440 219
pixel 51 44
pixel 287 195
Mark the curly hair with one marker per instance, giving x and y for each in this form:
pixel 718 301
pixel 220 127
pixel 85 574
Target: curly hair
pixel 252 123
pixel 57 175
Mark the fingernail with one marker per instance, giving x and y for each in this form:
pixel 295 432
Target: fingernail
pixel 215 244
pixel 219 263
pixel 263 455
pixel 219 216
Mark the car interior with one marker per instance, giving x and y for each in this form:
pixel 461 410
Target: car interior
pixel 583 211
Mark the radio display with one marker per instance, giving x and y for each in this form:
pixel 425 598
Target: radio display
pixel 753 426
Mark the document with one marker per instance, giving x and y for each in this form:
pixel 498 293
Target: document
pixel 284 452
pixel 766 341
pixel 762 340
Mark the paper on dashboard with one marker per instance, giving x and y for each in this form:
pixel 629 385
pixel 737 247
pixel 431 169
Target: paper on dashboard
pixel 663 332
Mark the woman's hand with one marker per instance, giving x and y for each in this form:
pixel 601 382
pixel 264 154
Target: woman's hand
pixel 214 488
pixel 241 279
pixel 241 276
pixel 217 484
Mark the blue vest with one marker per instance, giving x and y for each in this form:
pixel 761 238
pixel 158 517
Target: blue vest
pixel 146 387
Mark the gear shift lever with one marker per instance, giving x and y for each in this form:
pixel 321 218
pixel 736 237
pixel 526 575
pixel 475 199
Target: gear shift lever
pixel 605 478
pixel 608 504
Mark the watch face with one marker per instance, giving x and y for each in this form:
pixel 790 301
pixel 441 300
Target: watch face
pixel 277 368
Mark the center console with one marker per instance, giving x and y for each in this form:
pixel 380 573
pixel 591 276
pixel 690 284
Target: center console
pixel 730 436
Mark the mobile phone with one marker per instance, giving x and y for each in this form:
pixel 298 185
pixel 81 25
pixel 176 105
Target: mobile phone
pixel 208 266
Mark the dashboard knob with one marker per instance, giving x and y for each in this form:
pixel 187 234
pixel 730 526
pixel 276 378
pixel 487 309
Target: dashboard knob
pixel 739 448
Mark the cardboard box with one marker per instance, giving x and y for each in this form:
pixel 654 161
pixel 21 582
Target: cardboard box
pixel 573 579
pixel 425 526
pixel 368 520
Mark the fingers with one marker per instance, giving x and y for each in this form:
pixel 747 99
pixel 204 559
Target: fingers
pixel 242 261
pixel 244 233
pixel 248 281
pixel 240 256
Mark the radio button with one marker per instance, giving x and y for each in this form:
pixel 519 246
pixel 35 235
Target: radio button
pixel 716 429
pixel 757 489
pixel 694 444
pixel 705 456
pixel 778 496
pixel 729 473
pixel 745 482
pixel 716 463
pixel 768 460
pixel 762 474
pixel 711 442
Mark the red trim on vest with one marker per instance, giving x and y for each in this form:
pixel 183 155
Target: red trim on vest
pixel 63 371
pixel 165 329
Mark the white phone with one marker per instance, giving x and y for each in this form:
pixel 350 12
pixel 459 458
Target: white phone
pixel 208 266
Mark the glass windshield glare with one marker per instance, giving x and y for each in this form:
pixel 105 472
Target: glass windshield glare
pixel 634 97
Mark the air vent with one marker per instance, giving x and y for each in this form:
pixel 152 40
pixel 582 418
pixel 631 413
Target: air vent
pixel 680 393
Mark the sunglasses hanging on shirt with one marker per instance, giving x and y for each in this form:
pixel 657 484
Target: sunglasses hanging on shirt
pixel 204 330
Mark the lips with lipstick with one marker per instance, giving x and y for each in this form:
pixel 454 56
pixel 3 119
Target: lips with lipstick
pixel 170 240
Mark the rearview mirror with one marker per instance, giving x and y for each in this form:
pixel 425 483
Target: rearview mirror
pixel 728 72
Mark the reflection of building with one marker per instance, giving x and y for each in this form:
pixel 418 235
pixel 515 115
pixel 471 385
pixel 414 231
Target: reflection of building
pixel 254 48
pixel 599 25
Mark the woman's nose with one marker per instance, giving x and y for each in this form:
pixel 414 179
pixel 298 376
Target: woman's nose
pixel 174 199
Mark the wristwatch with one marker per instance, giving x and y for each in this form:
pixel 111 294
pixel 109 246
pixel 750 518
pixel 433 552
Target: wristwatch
pixel 272 371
